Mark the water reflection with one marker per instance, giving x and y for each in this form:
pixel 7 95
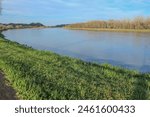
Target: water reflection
pixel 130 50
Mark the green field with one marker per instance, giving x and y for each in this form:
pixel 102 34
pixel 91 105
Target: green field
pixel 45 75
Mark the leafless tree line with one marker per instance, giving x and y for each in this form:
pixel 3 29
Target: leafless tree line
pixel 136 23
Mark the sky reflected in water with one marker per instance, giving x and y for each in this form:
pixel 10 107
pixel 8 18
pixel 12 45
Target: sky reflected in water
pixel 126 49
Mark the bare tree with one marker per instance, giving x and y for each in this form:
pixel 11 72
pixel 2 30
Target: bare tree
pixel 136 23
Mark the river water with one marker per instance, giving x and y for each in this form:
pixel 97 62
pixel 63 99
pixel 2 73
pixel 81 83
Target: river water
pixel 126 49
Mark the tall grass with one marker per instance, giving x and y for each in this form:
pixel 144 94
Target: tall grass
pixel 45 75
pixel 138 23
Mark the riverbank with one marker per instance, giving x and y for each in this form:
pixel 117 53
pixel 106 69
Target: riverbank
pixel 111 30
pixel 137 24
pixel 42 27
pixel 45 75
pixel 11 26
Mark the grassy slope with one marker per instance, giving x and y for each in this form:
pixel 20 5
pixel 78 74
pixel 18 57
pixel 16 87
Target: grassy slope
pixel 45 75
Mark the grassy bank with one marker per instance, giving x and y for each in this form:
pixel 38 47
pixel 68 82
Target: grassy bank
pixel 112 30
pixel 45 75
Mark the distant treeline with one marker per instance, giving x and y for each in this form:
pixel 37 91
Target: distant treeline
pixel 59 26
pixel 136 23
pixel 19 25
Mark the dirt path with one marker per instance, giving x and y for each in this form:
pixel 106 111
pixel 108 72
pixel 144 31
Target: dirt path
pixel 6 92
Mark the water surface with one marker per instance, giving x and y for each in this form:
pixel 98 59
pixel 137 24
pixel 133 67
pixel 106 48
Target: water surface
pixel 127 49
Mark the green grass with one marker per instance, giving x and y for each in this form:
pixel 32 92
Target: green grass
pixel 45 75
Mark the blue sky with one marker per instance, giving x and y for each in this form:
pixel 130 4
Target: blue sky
pixel 51 12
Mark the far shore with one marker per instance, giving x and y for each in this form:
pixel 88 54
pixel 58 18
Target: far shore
pixel 112 30
pixel 42 27
pixel 12 26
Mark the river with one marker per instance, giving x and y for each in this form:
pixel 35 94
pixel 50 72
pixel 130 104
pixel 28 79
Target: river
pixel 126 49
